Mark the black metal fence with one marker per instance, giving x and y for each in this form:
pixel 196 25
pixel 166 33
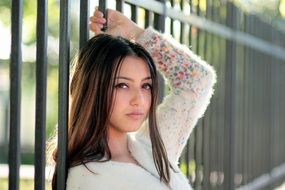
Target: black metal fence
pixel 239 142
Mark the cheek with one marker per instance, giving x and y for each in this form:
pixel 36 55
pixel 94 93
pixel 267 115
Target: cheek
pixel 119 101
pixel 148 100
pixel 117 108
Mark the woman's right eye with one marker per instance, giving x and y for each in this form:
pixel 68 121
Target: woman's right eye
pixel 121 85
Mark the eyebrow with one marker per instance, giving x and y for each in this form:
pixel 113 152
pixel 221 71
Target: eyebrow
pixel 130 79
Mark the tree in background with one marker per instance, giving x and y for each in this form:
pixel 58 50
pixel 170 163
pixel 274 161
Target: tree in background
pixel 271 10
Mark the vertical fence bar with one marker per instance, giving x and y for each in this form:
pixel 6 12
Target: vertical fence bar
pixel 244 105
pixel 159 20
pixel 134 13
pixel 256 96
pixel 206 131
pixel 248 129
pixel 120 5
pixel 15 94
pixel 273 105
pixel 64 58
pixel 253 103
pixel 172 3
pixel 84 20
pixel 41 85
pixel 148 19
pixel 190 27
pixel 103 6
pixel 230 101
pixel 246 108
pixel 250 107
pixel 275 82
pixel 182 28
pixel 103 9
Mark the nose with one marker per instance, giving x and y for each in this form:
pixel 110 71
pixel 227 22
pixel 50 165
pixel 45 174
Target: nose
pixel 137 98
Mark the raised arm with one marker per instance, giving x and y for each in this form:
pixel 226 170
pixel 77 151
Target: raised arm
pixel 191 81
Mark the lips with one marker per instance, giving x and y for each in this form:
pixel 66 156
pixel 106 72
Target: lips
pixel 135 115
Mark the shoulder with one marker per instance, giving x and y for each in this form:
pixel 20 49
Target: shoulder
pixel 93 170
pixel 88 175
pixel 79 175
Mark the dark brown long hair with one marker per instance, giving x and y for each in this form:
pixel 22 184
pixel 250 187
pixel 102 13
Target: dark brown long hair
pixel 91 94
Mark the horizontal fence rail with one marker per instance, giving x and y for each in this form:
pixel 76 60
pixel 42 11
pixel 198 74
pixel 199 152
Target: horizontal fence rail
pixel 266 179
pixel 214 28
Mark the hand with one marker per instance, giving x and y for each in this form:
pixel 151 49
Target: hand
pixel 118 25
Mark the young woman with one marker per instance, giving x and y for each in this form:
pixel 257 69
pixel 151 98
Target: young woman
pixel 118 137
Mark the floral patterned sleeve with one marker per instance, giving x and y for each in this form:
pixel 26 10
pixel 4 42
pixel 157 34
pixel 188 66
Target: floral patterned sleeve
pixel 191 81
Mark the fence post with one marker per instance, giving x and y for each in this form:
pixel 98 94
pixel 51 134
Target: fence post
pixel 84 20
pixel 64 58
pixel 15 95
pixel 159 20
pixel 120 5
pixel 41 85
pixel 230 91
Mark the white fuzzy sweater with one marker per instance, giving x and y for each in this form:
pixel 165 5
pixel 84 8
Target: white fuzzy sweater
pixel 191 81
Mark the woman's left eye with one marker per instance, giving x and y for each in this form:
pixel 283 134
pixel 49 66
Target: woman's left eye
pixel 147 86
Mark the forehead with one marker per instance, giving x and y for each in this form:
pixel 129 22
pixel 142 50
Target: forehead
pixel 134 67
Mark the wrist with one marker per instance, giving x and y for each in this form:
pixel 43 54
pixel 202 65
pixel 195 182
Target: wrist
pixel 139 31
pixel 136 33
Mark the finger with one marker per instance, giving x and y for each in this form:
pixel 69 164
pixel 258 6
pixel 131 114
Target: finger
pixel 95 29
pixel 97 20
pixel 98 25
pixel 98 13
pixel 94 26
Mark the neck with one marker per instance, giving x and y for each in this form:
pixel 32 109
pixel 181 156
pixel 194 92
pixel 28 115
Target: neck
pixel 118 144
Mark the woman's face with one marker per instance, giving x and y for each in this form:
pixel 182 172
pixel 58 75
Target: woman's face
pixel 132 95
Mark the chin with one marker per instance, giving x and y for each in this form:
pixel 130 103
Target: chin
pixel 133 129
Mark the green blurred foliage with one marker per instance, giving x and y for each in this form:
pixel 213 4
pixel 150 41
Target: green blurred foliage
pixel 29 18
pixel 53 18
pixel 5 12
pixel 272 10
